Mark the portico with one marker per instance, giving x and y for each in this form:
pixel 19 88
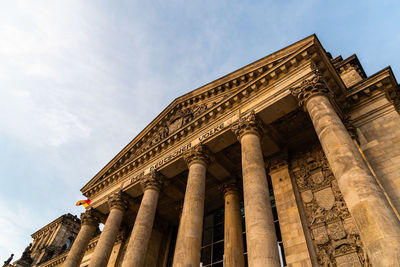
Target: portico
pixel 302 193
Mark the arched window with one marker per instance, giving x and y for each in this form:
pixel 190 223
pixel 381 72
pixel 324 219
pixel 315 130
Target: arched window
pixel 69 242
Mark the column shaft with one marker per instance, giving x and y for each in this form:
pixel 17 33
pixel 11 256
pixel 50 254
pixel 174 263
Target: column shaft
pixel 79 246
pixel 188 243
pixel 104 246
pixel 138 242
pixel 262 246
pixel 233 239
pixel 378 225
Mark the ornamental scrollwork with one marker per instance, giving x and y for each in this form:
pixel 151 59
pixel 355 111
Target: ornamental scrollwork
pixel 118 200
pixel 248 123
pixel 90 217
pixel 332 228
pixel 198 153
pixel 152 180
pixel 232 187
pixel 179 119
pixel 310 87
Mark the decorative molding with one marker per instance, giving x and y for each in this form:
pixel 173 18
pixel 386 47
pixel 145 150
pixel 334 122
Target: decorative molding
pixel 118 200
pixel 248 123
pixel 197 154
pixel 333 230
pixel 231 187
pixel 309 88
pixel 90 217
pixel 125 163
pixel 153 180
pixel 66 218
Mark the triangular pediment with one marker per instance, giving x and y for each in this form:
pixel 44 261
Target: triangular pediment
pixel 186 108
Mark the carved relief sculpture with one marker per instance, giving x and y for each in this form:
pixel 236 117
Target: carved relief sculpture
pixel 332 228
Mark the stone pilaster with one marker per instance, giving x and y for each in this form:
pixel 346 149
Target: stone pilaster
pixel 118 205
pixel 378 225
pixel 188 243
pixel 294 238
pixel 261 239
pixel 89 223
pixel 233 236
pixel 138 242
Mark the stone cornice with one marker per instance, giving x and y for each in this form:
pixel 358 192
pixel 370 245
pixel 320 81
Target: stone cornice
pixel 383 80
pixel 226 82
pixel 66 218
pixel 353 60
pixel 248 89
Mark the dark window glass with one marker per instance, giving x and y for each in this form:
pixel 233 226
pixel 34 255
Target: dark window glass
pixel 206 255
pixel 219 216
pixel 218 232
pixel 207 236
pixel 275 214
pixel 278 231
pixel 244 242
pixel 208 222
pixel 218 251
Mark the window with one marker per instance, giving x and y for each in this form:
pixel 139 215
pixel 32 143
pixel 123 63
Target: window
pixel 68 243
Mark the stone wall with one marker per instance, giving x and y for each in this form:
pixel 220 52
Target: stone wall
pixel 380 142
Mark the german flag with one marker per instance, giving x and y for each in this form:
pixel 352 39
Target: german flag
pixel 85 203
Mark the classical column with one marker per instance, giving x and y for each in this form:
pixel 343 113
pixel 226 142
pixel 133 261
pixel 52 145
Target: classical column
pixel 262 245
pixel 135 254
pixel 89 224
pixel 101 254
pixel 378 225
pixel 233 236
pixel 188 242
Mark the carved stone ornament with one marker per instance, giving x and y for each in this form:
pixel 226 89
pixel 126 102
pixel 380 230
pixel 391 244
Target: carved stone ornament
pixel 325 198
pixel 90 217
pixel 118 200
pixel 198 153
pixel 310 87
pixel 179 119
pixel 248 123
pixel 230 188
pixel 336 238
pixel 153 180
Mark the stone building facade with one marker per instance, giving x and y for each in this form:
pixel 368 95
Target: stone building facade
pixel 55 239
pixel 293 160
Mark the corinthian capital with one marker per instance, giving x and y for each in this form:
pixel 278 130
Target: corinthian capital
pixel 118 200
pixel 309 88
pixel 198 153
pixel 232 187
pixel 90 217
pixel 247 124
pixel 152 180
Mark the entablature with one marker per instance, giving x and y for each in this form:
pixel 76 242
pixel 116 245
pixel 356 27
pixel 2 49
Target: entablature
pixel 66 218
pixel 382 81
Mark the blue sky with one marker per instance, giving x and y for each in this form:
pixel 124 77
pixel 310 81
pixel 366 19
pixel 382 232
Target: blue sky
pixel 79 79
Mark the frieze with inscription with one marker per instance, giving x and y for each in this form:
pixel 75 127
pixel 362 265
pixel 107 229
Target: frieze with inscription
pixel 333 231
